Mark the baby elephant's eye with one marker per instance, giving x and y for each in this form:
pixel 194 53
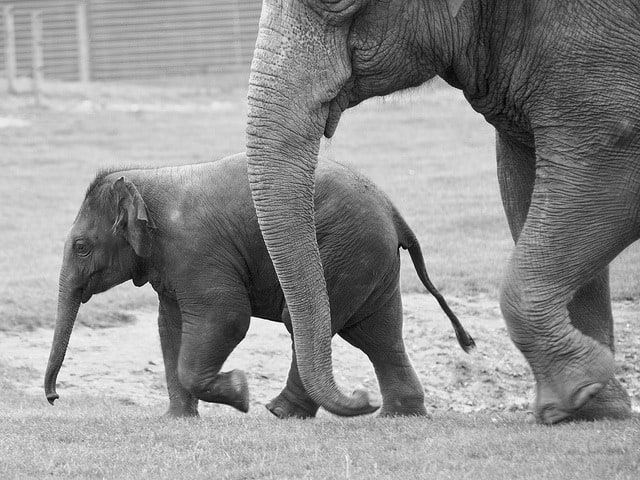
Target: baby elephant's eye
pixel 82 248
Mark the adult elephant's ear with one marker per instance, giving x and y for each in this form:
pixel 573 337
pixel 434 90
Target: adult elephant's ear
pixel 454 6
pixel 132 219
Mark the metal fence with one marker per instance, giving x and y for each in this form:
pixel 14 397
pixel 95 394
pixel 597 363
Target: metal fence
pixel 129 38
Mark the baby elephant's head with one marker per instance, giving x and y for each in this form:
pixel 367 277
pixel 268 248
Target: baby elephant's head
pixel 108 239
pixel 106 246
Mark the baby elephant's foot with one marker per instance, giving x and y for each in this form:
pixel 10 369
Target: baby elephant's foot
pixel 182 410
pixel 233 389
pixel 287 405
pixel 406 407
pixel 230 388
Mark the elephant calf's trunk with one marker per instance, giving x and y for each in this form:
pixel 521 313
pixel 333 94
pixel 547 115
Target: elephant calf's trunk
pixel 68 304
pixel 50 390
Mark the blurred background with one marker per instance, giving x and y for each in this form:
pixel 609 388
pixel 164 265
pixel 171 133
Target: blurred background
pixel 122 39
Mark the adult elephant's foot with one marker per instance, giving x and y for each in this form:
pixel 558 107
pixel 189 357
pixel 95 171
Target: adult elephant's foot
pixel 581 378
pixel 570 368
pixel 611 402
pixel 288 405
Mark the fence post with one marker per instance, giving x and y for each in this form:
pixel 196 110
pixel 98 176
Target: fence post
pixel 84 71
pixel 36 54
pixel 9 48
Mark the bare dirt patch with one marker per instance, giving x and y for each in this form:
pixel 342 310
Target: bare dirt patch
pixel 125 362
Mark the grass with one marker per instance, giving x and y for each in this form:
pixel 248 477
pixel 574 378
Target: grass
pixel 94 438
pixel 427 149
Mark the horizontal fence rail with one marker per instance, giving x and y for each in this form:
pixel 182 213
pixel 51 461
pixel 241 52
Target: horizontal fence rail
pixel 114 39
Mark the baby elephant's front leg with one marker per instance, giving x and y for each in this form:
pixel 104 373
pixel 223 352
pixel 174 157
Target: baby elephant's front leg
pixel 207 341
pixel 229 388
pixel 181 402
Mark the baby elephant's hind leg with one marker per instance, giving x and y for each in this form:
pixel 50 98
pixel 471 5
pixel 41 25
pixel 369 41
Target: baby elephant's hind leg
pixel 293 400
pixel 379 336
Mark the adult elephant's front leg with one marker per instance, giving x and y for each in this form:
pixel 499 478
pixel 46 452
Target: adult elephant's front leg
pixel 590 308
pixel 576 225
pixel 590 311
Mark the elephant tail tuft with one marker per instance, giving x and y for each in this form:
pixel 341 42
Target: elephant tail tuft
pixel 410 242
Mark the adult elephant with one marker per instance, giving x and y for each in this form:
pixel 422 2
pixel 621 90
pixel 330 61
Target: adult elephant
pixel 558 81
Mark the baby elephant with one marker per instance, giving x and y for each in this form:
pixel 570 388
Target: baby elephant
pixel 191 231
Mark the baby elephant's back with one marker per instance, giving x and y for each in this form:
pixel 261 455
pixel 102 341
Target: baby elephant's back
pixel 356 229
pixel 355 221
pixel 352 212
pixel 357 234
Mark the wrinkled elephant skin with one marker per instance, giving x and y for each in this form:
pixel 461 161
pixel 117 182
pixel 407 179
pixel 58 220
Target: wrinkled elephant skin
pixel 562 95
pixel 191 231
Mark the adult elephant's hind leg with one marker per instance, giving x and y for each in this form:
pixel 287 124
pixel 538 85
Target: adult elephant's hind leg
pixel 379 336
pixel 576 224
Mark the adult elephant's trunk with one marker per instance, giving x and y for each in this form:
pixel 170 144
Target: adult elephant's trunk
pixel 289 104
pixel 68 303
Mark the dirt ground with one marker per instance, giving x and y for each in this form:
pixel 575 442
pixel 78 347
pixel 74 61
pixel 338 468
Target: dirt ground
pixel 125 362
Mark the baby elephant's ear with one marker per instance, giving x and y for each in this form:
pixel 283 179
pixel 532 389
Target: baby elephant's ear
pixel 133 220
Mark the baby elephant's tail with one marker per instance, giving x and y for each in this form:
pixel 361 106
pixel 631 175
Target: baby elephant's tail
pixel 413 246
